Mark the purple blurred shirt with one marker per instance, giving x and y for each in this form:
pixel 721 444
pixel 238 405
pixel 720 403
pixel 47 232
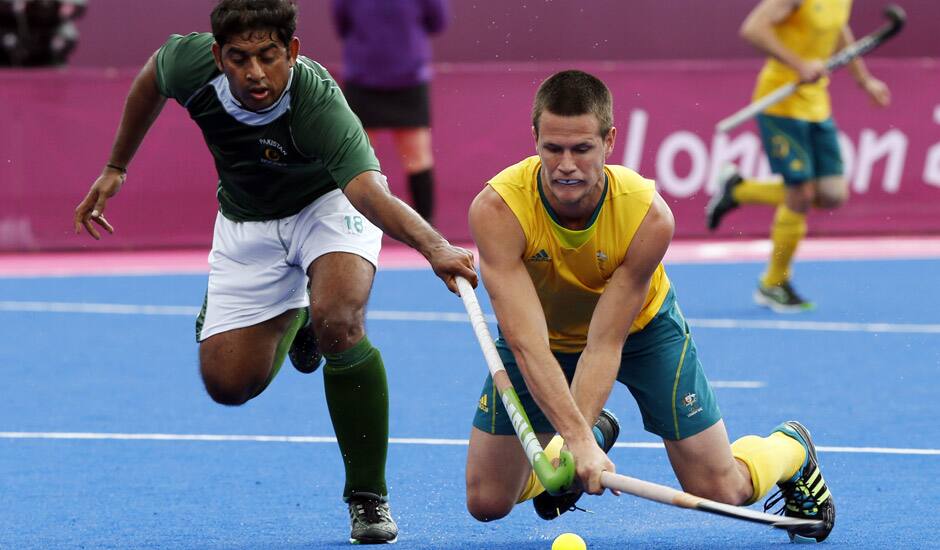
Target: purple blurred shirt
pixel 386 43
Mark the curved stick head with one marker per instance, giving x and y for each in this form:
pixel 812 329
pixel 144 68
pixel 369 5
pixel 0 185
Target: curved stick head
pixel 556 480
pixel 897 16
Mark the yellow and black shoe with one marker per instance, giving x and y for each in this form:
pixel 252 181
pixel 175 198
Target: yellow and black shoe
pixel 805 496
pixel 547 506
pixel 781 298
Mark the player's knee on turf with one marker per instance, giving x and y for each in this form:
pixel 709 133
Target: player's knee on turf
pixel 487 500
pixel 337 328
pixel 487 506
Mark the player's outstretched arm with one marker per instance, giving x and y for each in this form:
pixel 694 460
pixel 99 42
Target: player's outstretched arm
pixel 876 89
pixel 501 243
pixel 617 308
pixel 141 108
pixel 369 193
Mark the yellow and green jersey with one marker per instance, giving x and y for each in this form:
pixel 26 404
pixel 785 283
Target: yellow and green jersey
pixel 272 163
pixel 812 32
pixel 569 268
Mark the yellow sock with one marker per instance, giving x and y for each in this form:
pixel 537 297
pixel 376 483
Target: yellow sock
pixel 788 230
pixel 533 487
pixel 757 192
pixel 770 460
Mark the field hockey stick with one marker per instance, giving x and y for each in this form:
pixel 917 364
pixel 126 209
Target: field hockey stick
pixel 673 497
pixel 896 18
pixel 560 479
pixel 555 480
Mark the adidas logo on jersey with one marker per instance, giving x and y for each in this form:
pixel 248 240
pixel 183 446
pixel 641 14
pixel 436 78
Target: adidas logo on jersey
pixel 540 256
pixel 483 404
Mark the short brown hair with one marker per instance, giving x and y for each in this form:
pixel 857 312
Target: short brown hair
pixel 573 93
pixel 233 17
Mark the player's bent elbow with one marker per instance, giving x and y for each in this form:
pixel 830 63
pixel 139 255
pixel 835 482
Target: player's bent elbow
pixel 753 32
pixel 745 32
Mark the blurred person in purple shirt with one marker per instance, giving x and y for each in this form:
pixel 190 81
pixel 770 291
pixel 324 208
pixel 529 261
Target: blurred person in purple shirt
pixel 387 74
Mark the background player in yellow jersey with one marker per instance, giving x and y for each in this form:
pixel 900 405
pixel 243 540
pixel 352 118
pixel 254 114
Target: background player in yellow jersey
pixel 570 252
pixel 799 134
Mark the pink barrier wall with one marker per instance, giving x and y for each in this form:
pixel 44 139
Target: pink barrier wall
pixel 123 33
pixel 57 128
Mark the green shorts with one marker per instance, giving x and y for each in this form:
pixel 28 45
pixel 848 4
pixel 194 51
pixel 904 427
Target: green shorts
pixel 659 366
pixel 800 150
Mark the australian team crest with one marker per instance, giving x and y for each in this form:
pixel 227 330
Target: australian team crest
pixel 690 401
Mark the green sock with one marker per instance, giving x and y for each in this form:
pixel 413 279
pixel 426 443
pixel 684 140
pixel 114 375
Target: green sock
pixel 282 347
pixel 357 396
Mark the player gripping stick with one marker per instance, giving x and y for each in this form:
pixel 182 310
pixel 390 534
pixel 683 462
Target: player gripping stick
pixel 302 206
pixel 799 134
pixel 570 252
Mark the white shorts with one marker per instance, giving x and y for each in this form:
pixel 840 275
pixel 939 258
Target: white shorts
pixel 258 270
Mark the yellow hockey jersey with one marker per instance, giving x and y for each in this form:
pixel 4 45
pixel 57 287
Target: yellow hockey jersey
pixel 812 32
pixel 570 269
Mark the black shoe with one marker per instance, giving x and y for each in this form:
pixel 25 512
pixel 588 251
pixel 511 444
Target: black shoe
pixel 304 353
pixel 549 507
pixel 722 201
pixel 370 520
pixel 781 298
pixel 806 496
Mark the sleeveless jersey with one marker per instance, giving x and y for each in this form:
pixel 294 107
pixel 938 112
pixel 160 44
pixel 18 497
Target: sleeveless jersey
pixel 812 32
pixel 272 163
pixel 570 269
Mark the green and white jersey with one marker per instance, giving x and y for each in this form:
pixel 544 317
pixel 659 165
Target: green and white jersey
pixel 275 162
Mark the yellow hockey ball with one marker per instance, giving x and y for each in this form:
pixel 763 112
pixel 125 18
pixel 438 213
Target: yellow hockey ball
pixel 569 541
